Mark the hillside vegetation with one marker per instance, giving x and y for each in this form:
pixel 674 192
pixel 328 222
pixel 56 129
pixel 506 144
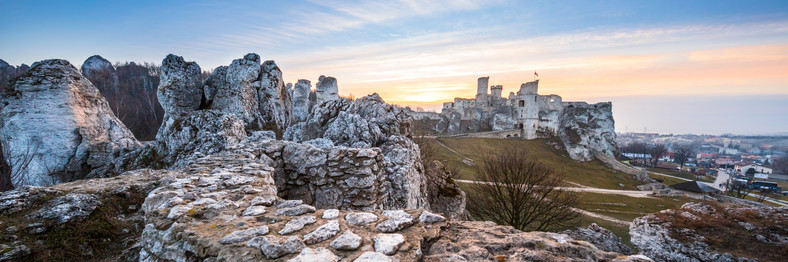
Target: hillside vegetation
pixel 452 151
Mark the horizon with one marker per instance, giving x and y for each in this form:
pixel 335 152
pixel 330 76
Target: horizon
pixel 669 67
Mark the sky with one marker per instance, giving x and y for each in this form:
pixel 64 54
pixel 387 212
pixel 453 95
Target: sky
pixel 704 67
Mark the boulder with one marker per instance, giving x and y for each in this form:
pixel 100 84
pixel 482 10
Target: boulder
pixel 586 129
pixel 600 237
pixel 56 127
pixel 180 90
pixel 326 89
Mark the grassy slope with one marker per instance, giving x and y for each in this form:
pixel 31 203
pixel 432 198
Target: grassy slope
pixel 683 174
pixel 592 173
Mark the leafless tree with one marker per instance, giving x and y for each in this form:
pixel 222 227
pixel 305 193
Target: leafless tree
pixel 737 189
pixel 683 153
pixel 521 193
pixel 13 170
pixel 656 151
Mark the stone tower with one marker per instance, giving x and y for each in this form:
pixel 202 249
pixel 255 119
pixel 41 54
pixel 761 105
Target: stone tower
pixel 481 91
pixel 528 109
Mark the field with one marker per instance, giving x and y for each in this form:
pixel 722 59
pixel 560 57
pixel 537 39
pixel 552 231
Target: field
pixel 682 174
pixel 593 173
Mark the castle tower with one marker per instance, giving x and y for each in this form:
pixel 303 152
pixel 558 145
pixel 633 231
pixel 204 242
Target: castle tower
pixel 527 108
pixel 529 88
pixel 495 91
pixel 481 88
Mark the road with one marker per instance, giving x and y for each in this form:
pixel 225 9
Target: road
pixel 629 193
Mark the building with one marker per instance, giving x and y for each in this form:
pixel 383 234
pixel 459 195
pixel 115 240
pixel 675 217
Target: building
pixel 742 168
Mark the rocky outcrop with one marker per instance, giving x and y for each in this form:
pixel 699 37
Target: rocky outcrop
pixel 301 100
pixel 96 66
pixel 8 72
pixel 224 207
pixel 600 237
pixel 56 126
pixel 180 90
pixel 588 129
pixel 708 231
pixel 326 89
pixel 486 241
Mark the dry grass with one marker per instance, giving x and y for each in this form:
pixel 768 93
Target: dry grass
pixel 721 231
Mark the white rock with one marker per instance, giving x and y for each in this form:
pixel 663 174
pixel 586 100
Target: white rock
pixel 330 213
pixel 348 241
pixel 319 254
pixel 360 218
pixel 297 224
pixel 370 256
pixel 322 233
pixel 428 217
pixel 275 247
pixel 244 235
pixel 388 243
pixel 254 211
pixel 397 220
pixel 296 210
pixel 263 201
pixel 177 212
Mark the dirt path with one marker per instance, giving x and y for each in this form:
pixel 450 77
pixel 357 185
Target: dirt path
pixel 603 217
pixel 629 193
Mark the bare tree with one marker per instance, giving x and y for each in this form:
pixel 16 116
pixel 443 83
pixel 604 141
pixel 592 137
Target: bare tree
pixel 683 153
pixel 521 193
pixel 13 170
pixel 656 151
pixel 737 189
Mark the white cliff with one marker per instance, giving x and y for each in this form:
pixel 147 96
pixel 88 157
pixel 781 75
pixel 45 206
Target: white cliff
pixel 57 120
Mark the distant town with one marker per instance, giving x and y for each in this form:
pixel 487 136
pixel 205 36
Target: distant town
pixel 757 163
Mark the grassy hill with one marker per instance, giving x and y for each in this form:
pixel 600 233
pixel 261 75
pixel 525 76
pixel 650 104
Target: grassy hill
pixel 452 151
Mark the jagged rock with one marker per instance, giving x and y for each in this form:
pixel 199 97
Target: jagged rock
pixel 428 217
pixel 405 174
pixel 585 129
pixel 444 195
pixel 8 72
pixel 275 247
pixel 348 241
pixel 264 201
pixel 276 106
pixel 180 90
pixel 601 238
pixel 315 255
pixel 233 89
pixel 503 122
pixel 486 241
pixel 322 233
pixel 361 218
pixel 388 243
pixel 326 89
pixel 56 119
pixel 64 209
pixel 668 235
pixel 296 210
pixel 244 235
pixel 301 100
pixel 297 224
pixel 396 221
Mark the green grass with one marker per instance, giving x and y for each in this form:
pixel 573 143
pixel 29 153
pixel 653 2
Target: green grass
pixel 627 208
pixel 683 174
pixel 666 179
pixel 591 173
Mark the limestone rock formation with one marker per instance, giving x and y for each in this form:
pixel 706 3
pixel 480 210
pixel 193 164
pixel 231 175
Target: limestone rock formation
pixel 326 89
pixel 587 129
pixel 180 90
pixel 8 72
pixel 707 231
pixel 56 119
pixel 601 238
pixel 198 213
pixel 301 100
pixel 95 65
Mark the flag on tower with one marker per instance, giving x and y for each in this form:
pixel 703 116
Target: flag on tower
pixel 535 74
